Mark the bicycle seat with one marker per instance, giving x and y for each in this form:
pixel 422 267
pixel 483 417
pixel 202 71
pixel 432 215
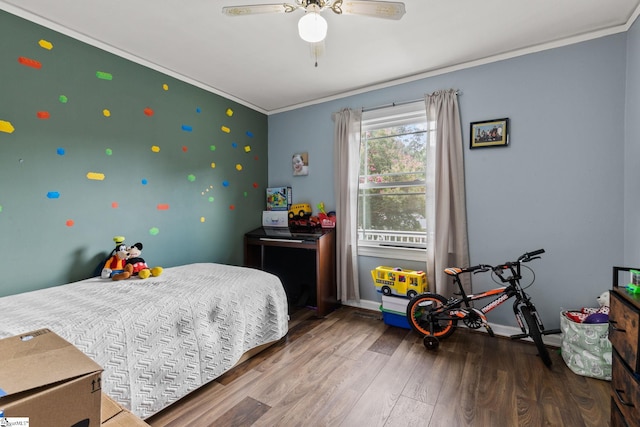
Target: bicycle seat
pixel 453 271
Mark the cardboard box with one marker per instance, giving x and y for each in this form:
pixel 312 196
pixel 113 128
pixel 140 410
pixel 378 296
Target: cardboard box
pixel 47 379
pixel 113 415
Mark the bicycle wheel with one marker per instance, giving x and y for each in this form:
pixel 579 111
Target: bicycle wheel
pixel 536 335
pixel 423 320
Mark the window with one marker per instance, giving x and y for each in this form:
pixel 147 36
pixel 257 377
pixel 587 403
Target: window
pixel 392 182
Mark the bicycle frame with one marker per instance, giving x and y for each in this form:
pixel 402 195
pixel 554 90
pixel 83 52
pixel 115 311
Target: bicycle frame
pixel 436 317
pixel 503 295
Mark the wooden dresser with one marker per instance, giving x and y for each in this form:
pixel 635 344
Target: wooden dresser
pixel 624 334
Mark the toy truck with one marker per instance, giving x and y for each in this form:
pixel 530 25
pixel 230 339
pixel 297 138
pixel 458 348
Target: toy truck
pixel 397 281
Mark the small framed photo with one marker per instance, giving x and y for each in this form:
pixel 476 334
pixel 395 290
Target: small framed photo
pixel 300 164
pixel 490 133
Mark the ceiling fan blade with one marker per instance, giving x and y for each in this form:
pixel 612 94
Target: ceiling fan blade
pixel 254 9
pixel 376 9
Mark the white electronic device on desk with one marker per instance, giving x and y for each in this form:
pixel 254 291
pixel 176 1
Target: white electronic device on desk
pixel 275 219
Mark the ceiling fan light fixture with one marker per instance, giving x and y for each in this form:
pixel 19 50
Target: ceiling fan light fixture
pixel 312 27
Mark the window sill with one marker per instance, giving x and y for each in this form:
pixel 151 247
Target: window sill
pixel 410 254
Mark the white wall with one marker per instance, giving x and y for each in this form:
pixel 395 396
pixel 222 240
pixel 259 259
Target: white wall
pixel 559 185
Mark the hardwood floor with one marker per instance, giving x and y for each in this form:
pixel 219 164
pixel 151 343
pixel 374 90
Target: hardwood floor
pixel 350 369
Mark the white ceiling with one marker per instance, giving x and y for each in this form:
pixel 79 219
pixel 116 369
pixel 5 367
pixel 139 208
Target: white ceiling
pixel 260 61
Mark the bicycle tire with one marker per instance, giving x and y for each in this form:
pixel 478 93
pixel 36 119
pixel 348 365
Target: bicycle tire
pixel 536 335
pixel 419 316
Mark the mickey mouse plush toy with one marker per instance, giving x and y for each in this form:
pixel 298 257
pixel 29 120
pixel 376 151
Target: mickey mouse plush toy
pixel 136 265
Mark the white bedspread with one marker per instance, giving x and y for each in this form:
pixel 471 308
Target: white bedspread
pixel 162 337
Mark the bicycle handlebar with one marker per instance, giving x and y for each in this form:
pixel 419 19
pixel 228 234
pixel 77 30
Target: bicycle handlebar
pixel 528 256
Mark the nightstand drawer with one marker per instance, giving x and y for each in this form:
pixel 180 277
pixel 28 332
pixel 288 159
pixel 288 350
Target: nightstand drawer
pixel 625 389
pixel 624 327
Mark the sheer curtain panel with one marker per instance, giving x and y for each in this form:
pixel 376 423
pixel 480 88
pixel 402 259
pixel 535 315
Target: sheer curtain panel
pixel 346 158
pixel 447 243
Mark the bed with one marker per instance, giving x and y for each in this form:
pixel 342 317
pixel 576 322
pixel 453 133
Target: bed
pixel 159 338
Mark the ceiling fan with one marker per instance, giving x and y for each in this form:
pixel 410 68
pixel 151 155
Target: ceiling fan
pixel 312 27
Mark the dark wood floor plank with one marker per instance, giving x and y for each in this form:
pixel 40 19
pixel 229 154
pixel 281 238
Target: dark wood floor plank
pixel 245 413
pixel 389 340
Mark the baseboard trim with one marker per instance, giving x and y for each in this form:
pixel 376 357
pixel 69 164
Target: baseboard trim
pixel 500 330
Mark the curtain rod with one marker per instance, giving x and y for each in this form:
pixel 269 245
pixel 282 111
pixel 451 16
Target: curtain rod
pixel 397 104
pixel 393 104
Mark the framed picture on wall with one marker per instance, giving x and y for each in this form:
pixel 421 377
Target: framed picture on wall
pixel 300 164
pixel 490 133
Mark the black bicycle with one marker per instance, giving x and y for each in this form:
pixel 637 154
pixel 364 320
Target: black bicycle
pixel 436 317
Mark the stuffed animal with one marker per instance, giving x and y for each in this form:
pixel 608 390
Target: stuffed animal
pixel 591 314
pixel 116 261
pixel 136 266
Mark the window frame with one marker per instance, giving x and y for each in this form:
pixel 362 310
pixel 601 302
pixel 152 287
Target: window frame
pixel 381 118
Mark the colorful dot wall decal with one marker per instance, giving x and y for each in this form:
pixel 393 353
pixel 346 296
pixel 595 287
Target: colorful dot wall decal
pixel 148 112
pixel 225 129
pixel 212 147
pixel 154 231
pixel 225 183
pixel 247 148
pixel 108 151
pixel 201 219
pixel 229 112
pixel 232 207
pixel 6 127
pixel 114 205
pixel 234 144
pixel 191 178
pixel 29 62
pixel 163 207
pixel 106 113
pixel 187 128
pixel 144 181
pixel 70 223
pixel 95 176
pixel 63 99
pixel 211 199
pixel 239 167
pixel 0 208
pixel 60 151
pixel 45 44
pixel 249 134
pixel 213 165
pixel 255 185
pixel 155 149
pixel 165 86
pixel 43 115
pixel 103 75
pixel 198 110
pixel 53 195
pixel 184 148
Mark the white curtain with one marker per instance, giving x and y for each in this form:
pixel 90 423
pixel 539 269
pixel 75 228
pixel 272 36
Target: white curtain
pixel 346 160
pixel 447 242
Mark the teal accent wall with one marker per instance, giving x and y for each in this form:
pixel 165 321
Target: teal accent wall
pixel 93 146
